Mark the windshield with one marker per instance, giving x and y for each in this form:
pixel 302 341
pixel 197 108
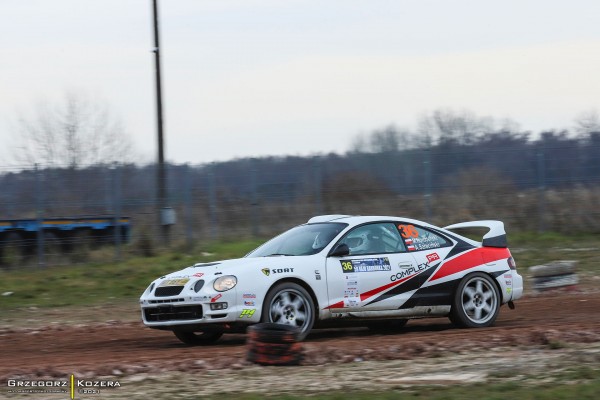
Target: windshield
pixel 302 240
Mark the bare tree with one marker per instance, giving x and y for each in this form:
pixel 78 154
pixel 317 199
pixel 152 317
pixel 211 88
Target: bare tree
pixel 587 123
pixel 74 132
pixel 448 127
pixel 388 139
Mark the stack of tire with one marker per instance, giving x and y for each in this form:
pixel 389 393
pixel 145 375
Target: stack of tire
pixel 554 275
pixel 274 344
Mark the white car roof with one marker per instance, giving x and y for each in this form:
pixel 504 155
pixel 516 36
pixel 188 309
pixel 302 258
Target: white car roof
pixel 360 219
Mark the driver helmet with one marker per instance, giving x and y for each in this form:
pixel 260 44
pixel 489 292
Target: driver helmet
pixel 359 243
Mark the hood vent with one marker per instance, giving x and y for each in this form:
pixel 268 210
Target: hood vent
pixel 206 265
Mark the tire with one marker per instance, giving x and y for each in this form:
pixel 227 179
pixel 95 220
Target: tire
pixel 198 338
pixel 554 268
pixel 273 333
pixel 387 326
pixel 274 344
pixel 554 282
pixel 293 358
pixel 289 304
pixel 476 302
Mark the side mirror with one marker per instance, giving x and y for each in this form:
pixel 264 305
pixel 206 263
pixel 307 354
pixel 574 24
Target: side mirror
pixel 340 250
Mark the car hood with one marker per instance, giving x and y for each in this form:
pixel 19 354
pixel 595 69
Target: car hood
pixel 234 267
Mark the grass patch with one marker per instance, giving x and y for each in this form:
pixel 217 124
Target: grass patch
pixel 105 282
pixel 531 249
pixel 485 391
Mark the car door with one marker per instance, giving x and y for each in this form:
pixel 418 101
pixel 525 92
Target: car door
pixel 378 262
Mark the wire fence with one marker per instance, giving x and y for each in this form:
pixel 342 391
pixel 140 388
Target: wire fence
pixel 528 189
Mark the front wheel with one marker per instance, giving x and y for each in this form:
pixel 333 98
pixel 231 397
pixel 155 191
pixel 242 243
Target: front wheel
pixel 476 302
pixel 198 338
pixel 290 304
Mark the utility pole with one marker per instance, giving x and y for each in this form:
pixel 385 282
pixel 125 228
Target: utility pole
pixel 161 176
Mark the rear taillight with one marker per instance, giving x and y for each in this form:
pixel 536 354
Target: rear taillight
pixel 511 263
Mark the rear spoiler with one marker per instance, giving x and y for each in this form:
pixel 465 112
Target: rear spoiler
pixel 496 236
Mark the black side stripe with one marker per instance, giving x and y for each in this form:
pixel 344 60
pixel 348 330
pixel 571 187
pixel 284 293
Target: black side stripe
pixel 410 285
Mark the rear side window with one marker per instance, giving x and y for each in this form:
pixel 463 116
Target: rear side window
pixel 417 238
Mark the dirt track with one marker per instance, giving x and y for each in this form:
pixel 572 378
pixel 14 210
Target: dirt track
pixel 125 348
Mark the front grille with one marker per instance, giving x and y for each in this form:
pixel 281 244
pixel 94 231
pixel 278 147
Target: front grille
pixel 165 301
pixel 172 313
pixel 168 291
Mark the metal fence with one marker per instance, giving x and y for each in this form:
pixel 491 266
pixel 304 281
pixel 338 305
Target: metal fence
pixel 261 197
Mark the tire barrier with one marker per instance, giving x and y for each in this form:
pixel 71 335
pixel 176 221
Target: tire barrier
pixel 274 344
pixel 556 274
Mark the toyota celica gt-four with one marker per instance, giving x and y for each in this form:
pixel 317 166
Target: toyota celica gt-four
pixel 380 271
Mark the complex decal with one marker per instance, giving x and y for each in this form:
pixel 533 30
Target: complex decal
pixel 366 265
pixel 408 271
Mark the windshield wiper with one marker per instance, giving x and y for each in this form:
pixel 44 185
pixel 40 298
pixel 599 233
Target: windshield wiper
pixel 278 254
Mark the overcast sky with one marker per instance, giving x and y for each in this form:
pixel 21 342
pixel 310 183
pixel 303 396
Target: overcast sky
pixel 276 77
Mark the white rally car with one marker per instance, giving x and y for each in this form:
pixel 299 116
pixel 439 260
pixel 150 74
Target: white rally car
pixel 380 271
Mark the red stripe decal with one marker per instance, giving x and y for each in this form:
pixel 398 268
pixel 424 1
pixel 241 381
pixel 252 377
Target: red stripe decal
pixel 469 260
pixel 339 304
pixel 373 292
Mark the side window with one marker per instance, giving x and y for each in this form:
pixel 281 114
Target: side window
pixel 417 238
pixel 382 237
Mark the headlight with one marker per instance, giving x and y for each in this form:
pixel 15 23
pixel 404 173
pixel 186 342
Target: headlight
pixel 225 283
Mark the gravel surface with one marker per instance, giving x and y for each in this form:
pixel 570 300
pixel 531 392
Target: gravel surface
pixel 546 334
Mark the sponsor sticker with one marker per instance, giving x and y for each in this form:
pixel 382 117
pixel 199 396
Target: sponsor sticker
pixel 247 312
pixel 174 282
pixel 249 303
pixel 270 271
pixel 249 296
pixel 199 274
pixel 433 257
pixel 366 265
pixel 351 292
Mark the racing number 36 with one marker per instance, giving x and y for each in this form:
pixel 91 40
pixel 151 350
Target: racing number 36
pixel 408 231
pixel 347 266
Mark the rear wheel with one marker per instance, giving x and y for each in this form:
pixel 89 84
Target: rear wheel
pixel 198 338
pixel 476 301
pixel 290 304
